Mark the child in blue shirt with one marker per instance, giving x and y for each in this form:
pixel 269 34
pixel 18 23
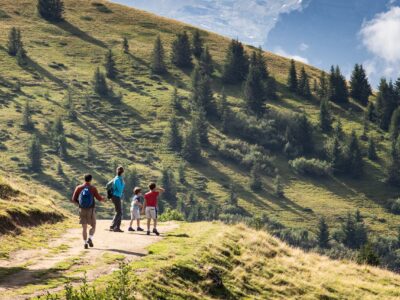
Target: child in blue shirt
pixel 136 207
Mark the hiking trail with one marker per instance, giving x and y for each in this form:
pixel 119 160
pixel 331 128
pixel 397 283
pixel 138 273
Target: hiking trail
pixel 35 271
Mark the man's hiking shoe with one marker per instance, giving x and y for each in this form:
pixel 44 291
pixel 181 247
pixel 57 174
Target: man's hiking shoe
pixel 90 242
pixel 118 230
pixel 86 246
pixel 156 232
pixel 139 229
pixel 148 232
pixel 131 229
pixel 111 228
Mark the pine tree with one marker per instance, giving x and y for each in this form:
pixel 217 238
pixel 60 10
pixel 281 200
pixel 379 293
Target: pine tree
pixel 370 113
pixel 385 103
pixel 337 91
pixel 125 45
pixel 304 84
pixel 168 183
pixel 89 153
pixel 223 111
pixel 191 150
pixel 205 97
pixel 21 56
pixel 206 63
pixel 360 89
pixel 35 154
pixel 323 86
pixel 175 100
pixel 254 91
pixel 393 168
pixel 372 154
pixel 255 180
pixel 292 78
pixel 199 120
pixel 325 118
pixel 100 86
pixel 70 105
pixel 173 137
pixel 195 89
pixel 261 64
pixel 181 51
pixel 339 133
pixel 14 40
pixel 278 187
pixel 51 10
pixel 315 86
pixel 157 61
pixel 197 44
pixel 60 171
pixel 323 233
pixel 395 124
pixel 236 63
pixel 27 123
pixel 233 197
pixel 181 173
pixel 367 255
pixel 355 161
pixel 335 155
pixel 349 232
pixel 109 65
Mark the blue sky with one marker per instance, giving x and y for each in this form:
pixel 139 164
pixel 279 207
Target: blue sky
pixel 319 32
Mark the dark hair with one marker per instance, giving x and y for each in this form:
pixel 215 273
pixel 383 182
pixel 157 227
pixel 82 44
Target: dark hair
pixel 152 186
pixel 88 178
pixel 120 170
pixel 137 190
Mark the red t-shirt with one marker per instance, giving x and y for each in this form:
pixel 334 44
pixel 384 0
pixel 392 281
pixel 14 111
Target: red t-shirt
pixel 151 198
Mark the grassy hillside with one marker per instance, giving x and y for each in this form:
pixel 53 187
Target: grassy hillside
pixel 215 261
pixel 66 54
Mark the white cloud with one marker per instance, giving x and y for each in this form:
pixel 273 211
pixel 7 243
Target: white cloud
pixel 299 58
pixel 303 47
pixel 381 37
pixel 250 20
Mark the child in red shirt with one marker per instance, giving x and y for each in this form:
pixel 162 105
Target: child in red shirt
pixel 150 206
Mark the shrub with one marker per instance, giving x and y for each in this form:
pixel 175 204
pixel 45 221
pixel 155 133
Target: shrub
pixel 395 206
pixel 171 215
pixel 311 167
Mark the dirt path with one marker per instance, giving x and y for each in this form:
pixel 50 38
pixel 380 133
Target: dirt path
pixel 32 272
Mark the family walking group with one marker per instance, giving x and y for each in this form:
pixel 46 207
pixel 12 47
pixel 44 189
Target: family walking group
pixel 85 195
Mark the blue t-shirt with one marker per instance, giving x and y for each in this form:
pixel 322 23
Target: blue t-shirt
pixel 119 186
pixel 134 204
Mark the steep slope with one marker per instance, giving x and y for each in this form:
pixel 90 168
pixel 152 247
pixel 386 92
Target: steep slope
pixel 215 261
pixel 66 54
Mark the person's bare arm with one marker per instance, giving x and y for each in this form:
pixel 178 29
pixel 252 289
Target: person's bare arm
pixel 74 198
pixel 160 190
pixel 97 195
pixel 144 205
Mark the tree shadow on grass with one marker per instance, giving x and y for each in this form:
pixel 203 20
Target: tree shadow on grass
pixel 32 65
pixel 75 31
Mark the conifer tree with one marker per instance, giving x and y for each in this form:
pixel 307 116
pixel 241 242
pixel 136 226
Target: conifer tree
pixel 206 63
pixel 323 233
pixel 168 183
pixel 304 84
pixel 223 111
pixel 27 123
pixel 157 58
pixel 70 105
pixel 21 55
pixel 278 187
pixel 261 64
pixel 191 150
pixel 255 180
pixel 370 113
pixel 195 89
pixel 199 120
pixel 175 100
pixel 51 10
pixel 339 133
pixel 181 51
pixel 325 118
pixel 14 40
pixel 393 168
pixel 35 154
pixel 385 103
pixel 360 89
pixel 181 173
pixel 372 154
pixel 395 124
pixel 233 197
pixel 174 138
pixel 205 97
pixel 125 45
pixel 89 153
pixel 100 86
pixel 349 231
pixel 323 86
pixel 337 91
pixel 368 256
pixel 197 44
pixel 292 78
pixel 236 63
pixel 355 161
pixel 254 91
pixel 60 171
pixel 315 86
pixel 109 65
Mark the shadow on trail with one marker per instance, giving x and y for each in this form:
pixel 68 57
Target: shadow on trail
pixel 122 252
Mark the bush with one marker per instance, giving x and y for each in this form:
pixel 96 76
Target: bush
pixel 395 206
pixel 171 215
pixel 311 167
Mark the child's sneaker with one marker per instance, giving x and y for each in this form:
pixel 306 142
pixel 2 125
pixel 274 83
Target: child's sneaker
pixel 148 232
pixel 156 232
pixel 139 229
pixel 131 229
pixel 86 246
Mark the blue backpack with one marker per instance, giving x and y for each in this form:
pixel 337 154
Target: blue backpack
pixel 86 199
